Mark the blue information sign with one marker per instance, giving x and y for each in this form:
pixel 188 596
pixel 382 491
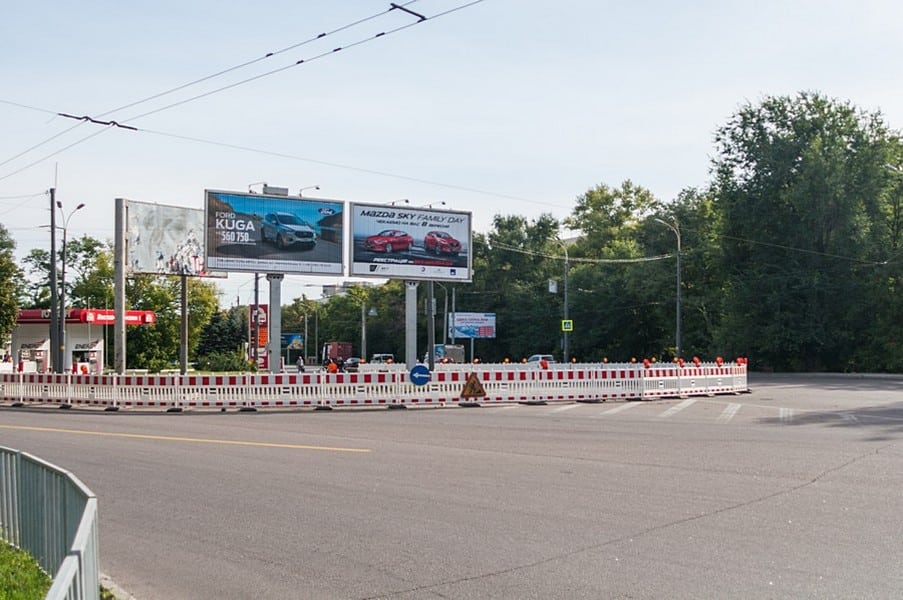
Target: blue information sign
pixel 420 375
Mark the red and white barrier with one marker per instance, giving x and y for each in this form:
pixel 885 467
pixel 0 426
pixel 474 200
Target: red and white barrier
pixel 502 384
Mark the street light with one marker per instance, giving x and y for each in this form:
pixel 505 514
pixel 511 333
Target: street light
pixel 62 302
pixel 565 331
pixel 676 229
pixel 364 314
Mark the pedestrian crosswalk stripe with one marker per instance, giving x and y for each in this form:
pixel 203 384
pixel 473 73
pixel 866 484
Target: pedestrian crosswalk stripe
pixel 564 408
pixel 729 411
pixel 618 409
pixel 786 415
pixel 678 407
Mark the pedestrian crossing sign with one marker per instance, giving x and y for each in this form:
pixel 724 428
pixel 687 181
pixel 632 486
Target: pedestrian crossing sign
pixel 567 325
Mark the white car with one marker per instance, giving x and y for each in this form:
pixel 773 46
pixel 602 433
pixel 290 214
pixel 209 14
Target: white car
pixel 538 357
pixel 285 229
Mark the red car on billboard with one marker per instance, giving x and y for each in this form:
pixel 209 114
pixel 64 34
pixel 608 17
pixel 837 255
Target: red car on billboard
pixel 390 240
pixel 440 242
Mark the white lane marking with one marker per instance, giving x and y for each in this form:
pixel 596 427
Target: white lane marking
pixel 850 419
pixel 564 408
pixel 786 415
pixel 618 409
pixel 729 411
pixel 677 408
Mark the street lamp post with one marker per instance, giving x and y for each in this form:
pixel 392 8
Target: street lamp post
pixel 62 301
pixel 372 312
pixel 675 227
pixel 565 332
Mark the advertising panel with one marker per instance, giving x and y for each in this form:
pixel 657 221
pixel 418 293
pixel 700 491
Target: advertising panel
pixel 410 243
pixel 259 233
pixel 165 240
pixel 471 325
pixel 263 337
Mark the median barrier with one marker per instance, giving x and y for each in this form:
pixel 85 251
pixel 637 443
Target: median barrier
pixel 369 388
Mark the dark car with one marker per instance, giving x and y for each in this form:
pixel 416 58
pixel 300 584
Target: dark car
pixel 390 240
pixel 351 365
pixel 285 229
pixel 440 242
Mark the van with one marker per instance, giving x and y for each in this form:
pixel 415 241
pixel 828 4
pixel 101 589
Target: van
pixel 382 358
pixel 538 357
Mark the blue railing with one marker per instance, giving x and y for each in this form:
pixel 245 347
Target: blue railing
pixel 50 514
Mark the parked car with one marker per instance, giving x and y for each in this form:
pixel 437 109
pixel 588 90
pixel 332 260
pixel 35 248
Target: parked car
pixel 538 357
pixel 390 240
pixel 440 242
pixel 285 229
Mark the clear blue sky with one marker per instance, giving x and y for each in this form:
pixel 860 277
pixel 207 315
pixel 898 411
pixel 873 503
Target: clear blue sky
pixel 505 107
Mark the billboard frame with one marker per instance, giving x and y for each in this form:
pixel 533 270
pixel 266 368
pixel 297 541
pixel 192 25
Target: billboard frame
pixel 245 232
pixel 412 262
pixel 191 248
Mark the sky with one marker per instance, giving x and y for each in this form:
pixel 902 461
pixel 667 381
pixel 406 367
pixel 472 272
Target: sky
pixel 503 107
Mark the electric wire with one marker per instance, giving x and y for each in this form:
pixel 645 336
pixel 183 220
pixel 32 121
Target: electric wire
pixel 111 124
pixel 248 63
pixel 180 87
pixel 641 259
pixel 303 61
pixel 348 167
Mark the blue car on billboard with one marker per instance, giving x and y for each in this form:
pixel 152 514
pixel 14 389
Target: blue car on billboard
pixel 285 229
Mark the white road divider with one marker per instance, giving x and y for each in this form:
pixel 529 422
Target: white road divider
pixel 376 386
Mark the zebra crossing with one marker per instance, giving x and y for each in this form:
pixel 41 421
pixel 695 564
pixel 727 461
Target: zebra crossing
pixel 717 411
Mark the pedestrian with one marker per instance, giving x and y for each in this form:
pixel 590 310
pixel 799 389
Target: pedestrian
pixel 300 364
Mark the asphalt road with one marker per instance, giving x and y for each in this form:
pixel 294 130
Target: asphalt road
pixel 792 491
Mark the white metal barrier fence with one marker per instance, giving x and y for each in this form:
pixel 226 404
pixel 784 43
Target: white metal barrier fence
pixel 377 387
pixel 50 514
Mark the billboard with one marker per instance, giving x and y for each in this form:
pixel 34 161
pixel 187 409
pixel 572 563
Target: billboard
pixel 471 325
pixel 410 243
pixel 259 233
pixel 165 240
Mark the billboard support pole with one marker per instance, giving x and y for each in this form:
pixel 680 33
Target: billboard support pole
pixel 410 323
pixel 119 254
pixel 431 332
pixel 274 323
pixel 183 342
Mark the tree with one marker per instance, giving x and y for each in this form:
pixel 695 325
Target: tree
pixel 801 187
pixel 89 274
pixel 617 293
pixel 10 284
pixel 156 346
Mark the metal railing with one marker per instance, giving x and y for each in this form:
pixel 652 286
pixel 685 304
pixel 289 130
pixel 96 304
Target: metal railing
pixel 50 514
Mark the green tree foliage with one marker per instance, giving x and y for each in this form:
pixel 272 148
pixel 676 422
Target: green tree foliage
pixel 10 284
pixel 612 282
pixel 156 347
pixel 225 332
pixel 89 274
pixel 802 191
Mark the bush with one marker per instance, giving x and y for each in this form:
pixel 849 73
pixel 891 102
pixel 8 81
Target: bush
pixel 225 361
pixel 21 577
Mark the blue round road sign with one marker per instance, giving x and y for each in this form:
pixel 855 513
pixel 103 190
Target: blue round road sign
pixel 420 375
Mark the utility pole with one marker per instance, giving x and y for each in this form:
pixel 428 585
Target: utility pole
pixel 54 298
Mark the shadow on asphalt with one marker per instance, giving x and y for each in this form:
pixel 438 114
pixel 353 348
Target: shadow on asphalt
pixel 828 381
pixel 883 423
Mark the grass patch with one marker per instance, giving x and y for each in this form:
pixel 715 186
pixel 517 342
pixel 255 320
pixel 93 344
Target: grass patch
pixel 20 576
